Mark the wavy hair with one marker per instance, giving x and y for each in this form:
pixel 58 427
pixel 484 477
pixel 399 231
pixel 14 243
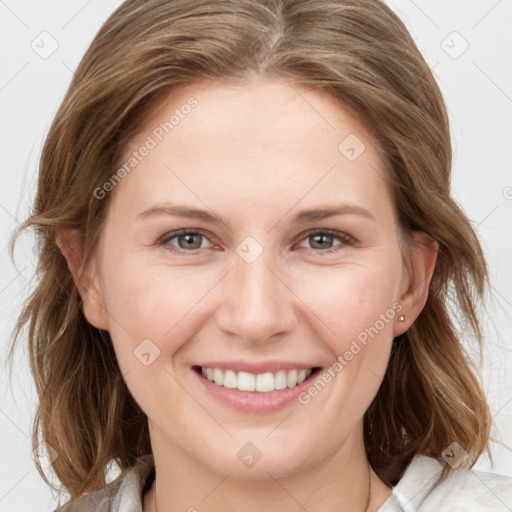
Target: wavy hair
pixel 360 53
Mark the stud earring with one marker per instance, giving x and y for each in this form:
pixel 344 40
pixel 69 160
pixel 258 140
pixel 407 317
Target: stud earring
pixel 401 318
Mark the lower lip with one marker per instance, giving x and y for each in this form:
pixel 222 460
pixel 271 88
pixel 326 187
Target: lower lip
pixel 253 401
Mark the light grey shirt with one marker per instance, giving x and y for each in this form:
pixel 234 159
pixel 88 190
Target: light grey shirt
pixel 422 488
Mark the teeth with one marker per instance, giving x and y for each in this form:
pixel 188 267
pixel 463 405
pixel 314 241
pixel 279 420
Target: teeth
pixel 280 380
pixel 291 378
pixel 262 382
pixel 245 381
pixel 218 376
pixel 229 379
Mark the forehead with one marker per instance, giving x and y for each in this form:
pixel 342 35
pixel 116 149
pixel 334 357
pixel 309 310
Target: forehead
pixel 265 141
pixel 274 113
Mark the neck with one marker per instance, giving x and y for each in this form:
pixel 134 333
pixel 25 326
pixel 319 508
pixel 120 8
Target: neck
pixel 342 483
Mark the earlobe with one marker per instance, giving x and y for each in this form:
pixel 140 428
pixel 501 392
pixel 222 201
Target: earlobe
pixel 85 278
pixel 424 255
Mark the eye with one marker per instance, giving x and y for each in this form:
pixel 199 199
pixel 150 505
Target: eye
pixel 185 240
pixel 321 241
pixel 324 240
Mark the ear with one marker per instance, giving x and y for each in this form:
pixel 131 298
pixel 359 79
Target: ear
pixel 424 255
pixel 86 279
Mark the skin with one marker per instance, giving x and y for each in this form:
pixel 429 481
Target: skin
pixel 256 154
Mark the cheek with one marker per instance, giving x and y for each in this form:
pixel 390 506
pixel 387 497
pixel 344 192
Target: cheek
pixel 355 303
pixel 359 304
pixel 151 317
pixel 361 308
pixel 154 303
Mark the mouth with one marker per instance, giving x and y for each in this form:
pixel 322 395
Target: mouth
pixel 264 382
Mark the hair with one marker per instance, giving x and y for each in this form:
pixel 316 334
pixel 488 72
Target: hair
pixel 360 53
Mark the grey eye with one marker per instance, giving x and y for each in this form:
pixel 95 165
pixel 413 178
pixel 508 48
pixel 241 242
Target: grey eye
pixel 189 240
pixel 321 241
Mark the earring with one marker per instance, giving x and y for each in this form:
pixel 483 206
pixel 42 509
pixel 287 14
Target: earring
pixel 401 318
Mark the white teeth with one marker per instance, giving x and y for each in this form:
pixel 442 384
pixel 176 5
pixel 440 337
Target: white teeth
pixel 246 381
pixel 262 382
pixel 291 379
pixel 218 376
pixel 280 380
pixel 229 379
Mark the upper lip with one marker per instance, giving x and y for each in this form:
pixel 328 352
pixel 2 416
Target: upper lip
pixel 259 367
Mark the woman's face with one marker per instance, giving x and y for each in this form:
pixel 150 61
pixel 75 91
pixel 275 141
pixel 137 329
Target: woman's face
pixel 302 272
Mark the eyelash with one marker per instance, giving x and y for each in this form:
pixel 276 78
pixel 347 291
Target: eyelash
pixel 344 239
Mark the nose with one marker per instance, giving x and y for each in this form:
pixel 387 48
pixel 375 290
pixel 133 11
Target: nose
pixel 257 304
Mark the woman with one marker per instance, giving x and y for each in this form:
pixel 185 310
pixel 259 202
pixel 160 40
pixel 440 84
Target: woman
pixel 248 249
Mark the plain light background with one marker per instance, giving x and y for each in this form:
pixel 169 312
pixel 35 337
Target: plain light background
pixel 468 44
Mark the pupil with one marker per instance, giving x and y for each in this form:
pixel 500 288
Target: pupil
pixel 190 241
pixel 321 240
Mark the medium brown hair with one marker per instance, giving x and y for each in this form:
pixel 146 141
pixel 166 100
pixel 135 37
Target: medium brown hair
pixel 360 53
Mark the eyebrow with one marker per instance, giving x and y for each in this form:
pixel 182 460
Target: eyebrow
pixel 314 214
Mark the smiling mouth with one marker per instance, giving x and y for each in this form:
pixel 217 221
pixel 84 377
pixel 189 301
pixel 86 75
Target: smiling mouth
pixel 259 383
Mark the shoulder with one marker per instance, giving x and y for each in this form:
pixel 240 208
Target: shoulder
pixel 124 494
pixel 425 488
pixel 472 490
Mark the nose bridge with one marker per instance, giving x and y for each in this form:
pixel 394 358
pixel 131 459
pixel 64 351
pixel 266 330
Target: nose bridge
pixel 256 304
